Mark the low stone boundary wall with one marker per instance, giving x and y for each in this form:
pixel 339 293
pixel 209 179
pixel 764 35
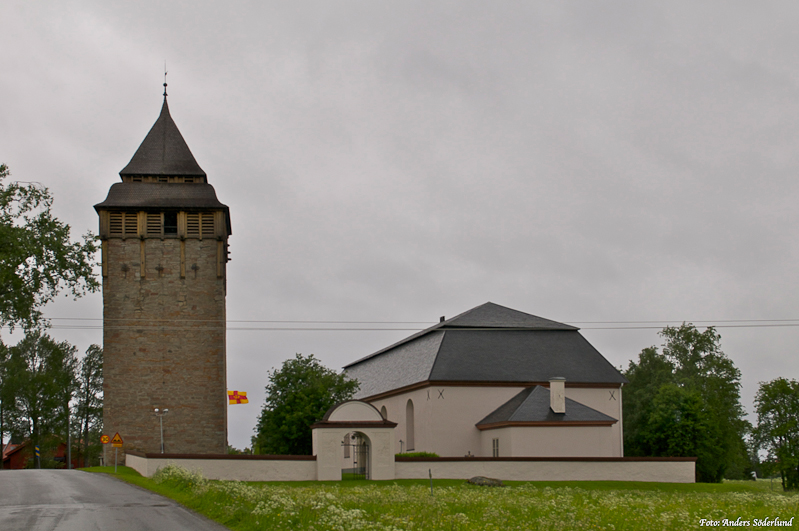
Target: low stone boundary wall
pixel 230 467
pixel 655 469
pixel 304 467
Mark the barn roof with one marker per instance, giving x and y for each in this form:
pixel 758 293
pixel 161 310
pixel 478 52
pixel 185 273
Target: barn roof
pixel 489 343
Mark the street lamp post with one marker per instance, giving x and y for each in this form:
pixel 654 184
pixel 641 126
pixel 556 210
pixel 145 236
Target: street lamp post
pixel 160 414
pixel 69 441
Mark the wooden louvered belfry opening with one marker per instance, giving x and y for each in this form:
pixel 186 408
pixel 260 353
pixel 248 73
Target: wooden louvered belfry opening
pixel 200 224
pixel 126 224
pixel 155 224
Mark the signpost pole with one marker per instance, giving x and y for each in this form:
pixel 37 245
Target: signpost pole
pixel 116 442
pixel 105 439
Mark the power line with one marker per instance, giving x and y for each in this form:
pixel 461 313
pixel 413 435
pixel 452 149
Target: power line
pixel 305 321
pixel 197 328
pixel 149 319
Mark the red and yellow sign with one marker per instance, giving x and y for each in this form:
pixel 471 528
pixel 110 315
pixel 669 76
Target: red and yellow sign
pixel 116 442
pixel 237 397
pixel 105 439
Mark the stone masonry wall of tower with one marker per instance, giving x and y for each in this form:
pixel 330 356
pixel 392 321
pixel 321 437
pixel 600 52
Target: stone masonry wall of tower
pixel 164 342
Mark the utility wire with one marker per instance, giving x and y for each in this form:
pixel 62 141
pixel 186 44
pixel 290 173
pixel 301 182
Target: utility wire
pixel 207 325
pixel 150 319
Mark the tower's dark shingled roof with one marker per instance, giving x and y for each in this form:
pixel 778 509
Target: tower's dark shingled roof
pixel 532 405
pixel 161 195
pixel 163 151
pixel 157 196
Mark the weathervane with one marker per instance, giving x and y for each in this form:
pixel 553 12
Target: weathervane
pixel 165 72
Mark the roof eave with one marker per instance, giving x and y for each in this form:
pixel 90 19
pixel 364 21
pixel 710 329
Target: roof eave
pixel 544 424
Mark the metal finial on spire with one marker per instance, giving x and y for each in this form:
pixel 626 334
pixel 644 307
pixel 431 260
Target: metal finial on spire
pixel 165 73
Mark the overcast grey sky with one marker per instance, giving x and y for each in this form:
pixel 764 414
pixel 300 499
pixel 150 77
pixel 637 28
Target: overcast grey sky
pixel 580 161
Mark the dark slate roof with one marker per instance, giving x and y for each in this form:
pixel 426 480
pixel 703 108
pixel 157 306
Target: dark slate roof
pixel 487 315
pixel 532 405
pixel 490 315
pixel 489 343
pixel 163 151
pixel 161 195
pixel 521 356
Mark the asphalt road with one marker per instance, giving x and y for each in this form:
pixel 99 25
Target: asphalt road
pixel 70 500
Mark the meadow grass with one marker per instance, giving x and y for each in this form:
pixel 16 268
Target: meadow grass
pixel 454 505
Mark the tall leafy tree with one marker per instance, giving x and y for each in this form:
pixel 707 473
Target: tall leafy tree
pixel 43 372
pixel 6 393
pixel 685 400
pixel 89 396
pixel 651 372
pixel 37 257
pixel 298 394
pixel 777 432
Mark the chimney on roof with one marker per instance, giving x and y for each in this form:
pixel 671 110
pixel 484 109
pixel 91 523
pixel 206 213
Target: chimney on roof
pixel 557 394
pixel 441 319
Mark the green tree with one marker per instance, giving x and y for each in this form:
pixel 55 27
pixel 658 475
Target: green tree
pixel 686 399
pixel 89 396
pixel 647 376
pixel 6 393
pixel 37 258
pixel 43 372
pixel 298 394
pixel 777 432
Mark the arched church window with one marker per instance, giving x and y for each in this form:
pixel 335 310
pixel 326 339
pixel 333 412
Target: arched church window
pixel 409 426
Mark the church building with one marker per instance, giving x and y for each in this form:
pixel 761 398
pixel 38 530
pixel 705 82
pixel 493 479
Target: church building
pixel 164 240
pixel 496 382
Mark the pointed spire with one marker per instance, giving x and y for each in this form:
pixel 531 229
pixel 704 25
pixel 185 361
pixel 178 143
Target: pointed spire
pixel 163 151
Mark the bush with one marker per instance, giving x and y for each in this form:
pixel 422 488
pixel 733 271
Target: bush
pixel 417 454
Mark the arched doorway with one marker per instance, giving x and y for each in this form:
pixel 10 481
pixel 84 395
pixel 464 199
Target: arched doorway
pixel 356 463
pixel 373 442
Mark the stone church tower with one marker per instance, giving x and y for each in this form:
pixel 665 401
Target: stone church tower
pixel 164 252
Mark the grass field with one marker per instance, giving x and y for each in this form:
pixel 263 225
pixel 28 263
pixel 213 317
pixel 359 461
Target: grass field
pixel 408 504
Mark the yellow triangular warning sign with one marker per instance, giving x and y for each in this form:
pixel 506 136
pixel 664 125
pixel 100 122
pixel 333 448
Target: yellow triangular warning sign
pixel 116 441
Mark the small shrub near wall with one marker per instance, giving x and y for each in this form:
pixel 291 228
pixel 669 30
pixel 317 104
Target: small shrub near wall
pixel 417 454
